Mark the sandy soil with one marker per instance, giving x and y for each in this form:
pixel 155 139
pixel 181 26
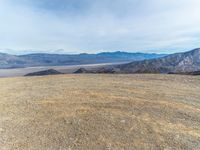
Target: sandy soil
pixel 96 112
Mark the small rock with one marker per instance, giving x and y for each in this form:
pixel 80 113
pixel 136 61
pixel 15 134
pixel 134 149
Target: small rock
pixel 1 129
pixel 123 121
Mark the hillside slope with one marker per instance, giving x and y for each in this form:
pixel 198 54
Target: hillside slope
pixel 187 62
pixel 33 60
pixel 12 61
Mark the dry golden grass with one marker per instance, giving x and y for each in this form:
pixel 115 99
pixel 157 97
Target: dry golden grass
pixel 143 112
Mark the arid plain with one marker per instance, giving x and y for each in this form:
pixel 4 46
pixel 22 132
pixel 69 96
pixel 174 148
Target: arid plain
pixel 93 111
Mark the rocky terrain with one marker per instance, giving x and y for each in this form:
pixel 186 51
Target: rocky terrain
pixel 95 112
pixel 180 63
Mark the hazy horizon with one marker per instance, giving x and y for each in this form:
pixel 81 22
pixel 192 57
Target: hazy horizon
pixel 92 26
pixel 26 52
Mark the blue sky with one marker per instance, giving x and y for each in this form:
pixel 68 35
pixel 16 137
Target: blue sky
pixel 76 26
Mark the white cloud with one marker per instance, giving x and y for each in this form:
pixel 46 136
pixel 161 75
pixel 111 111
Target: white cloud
pixel 131 25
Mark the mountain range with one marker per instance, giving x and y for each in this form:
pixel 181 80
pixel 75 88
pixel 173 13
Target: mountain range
pixel 42 59
pixel 181 63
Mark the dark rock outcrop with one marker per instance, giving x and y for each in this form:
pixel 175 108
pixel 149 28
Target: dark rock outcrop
pixel 44 73
pixel 81 70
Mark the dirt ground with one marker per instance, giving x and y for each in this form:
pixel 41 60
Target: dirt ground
pixel 100 112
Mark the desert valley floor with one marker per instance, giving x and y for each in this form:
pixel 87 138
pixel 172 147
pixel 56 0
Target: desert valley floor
pixel 91 111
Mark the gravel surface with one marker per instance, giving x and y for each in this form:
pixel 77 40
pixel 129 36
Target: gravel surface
pixel 97 112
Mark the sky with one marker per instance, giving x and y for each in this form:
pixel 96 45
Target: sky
pixel 92 26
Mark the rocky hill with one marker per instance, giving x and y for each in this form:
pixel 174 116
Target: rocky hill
pixel 187 62
pixel 44 73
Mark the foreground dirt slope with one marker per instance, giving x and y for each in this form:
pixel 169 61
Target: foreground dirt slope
pixel 157 112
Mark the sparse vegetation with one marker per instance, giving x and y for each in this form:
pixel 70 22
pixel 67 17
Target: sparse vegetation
pixel 91 111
